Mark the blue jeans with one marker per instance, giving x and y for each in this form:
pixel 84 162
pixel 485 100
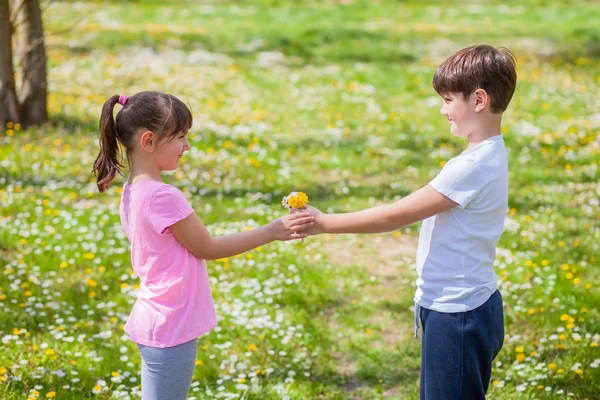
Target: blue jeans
pixel 458 349
pixel 167 372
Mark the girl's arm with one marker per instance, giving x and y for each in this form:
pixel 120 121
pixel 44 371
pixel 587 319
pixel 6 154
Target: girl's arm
pixel 419 205
pixel 192 234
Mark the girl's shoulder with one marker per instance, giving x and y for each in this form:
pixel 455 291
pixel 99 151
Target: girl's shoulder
pixel 149 186
pixel 153 190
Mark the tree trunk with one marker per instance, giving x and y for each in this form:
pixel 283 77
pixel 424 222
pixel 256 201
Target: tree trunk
pixel 31 53
pixel 9 104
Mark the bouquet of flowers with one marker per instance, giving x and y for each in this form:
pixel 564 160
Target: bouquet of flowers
pixel 295 200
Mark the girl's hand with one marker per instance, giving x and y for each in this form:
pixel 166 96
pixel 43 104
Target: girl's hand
pixel 290 226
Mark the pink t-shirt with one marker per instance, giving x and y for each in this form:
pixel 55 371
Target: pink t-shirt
pixel 174 303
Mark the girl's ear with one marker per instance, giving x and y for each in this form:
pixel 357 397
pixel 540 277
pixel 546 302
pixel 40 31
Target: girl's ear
pixel 481 99
pixel 148 141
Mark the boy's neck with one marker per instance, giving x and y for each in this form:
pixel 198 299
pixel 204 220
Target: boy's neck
pixel 487 128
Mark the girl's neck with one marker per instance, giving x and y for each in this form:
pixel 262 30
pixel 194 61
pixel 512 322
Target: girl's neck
pixel 142 177
pixel 142 170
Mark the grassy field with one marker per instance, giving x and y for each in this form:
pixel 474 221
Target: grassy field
pixel 333 98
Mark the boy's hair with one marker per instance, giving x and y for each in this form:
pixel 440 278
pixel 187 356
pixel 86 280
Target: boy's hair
pixel 161 113
pixel 479 67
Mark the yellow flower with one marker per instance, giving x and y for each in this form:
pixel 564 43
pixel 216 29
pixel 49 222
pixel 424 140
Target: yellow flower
pixel 520 349
pixel 520 357
pixel 50 395
pixel 295 200
pixel 91 282
pixel 552 366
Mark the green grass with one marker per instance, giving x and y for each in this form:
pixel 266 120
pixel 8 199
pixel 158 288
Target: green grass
pixel 333 99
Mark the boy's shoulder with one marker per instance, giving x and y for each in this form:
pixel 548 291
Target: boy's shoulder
pixel 489 152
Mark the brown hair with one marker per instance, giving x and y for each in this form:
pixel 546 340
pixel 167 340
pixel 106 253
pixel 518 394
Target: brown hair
pixel 479 67
pixel 161 113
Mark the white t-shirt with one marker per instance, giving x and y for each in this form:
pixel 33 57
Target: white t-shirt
pixel 457 248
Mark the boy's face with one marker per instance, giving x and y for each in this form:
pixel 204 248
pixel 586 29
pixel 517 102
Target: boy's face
pixel 460 113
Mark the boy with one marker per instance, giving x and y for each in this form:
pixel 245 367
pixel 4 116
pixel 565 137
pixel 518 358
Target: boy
pixel 463 209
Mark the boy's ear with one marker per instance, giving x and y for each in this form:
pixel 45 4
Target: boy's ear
pixel 148 141
pixel 481 99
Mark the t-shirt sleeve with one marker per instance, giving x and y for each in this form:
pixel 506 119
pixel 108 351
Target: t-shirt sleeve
pixel 168 206
pixel 460 181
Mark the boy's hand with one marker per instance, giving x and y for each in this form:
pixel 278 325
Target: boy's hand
pixel 291 226
pixel 317 228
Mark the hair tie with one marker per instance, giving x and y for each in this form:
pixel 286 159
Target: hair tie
pixel 123 99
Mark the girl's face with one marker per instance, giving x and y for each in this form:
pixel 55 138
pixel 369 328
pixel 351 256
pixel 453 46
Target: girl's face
pixel 170 150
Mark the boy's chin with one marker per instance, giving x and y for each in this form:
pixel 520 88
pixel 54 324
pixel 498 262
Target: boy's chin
pixel 459 134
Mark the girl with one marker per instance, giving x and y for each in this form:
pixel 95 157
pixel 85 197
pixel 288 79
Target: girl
pixel 168 242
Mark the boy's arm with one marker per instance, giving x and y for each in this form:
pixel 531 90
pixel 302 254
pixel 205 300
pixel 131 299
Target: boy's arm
pixel 415 207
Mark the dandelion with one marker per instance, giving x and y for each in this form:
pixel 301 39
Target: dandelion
pixel 295 200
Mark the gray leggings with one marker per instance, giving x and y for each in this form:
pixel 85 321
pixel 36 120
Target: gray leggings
pixel 167 372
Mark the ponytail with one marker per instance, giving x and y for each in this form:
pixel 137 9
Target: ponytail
pixel 107 164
